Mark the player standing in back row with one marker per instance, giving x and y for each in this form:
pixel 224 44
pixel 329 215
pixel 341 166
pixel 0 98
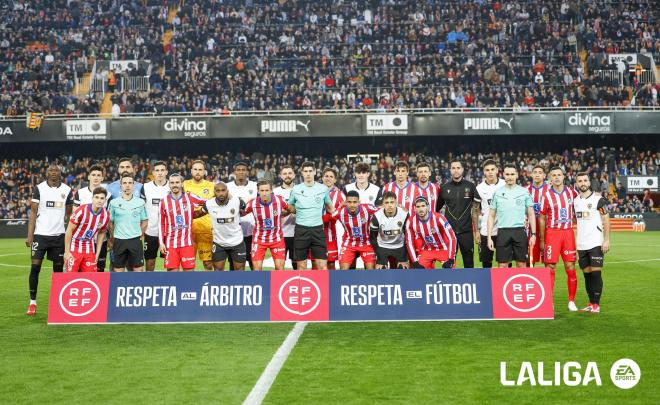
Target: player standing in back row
pixel 405 190
pixel 287 176
pixel 329 223
pixel 245 189
pixel 593 238
pixel 462 201
pixel 201 227
pixel 152 194
pixel 427 188
pixel 84 196
pixel 536 189
pixel 368 191
pixel 52 202
pixel 486 190
pixel 556 230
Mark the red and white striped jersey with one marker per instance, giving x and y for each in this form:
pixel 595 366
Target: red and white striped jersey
pixel 536 194
pixel 405 196
pixel 430 193
pixel 267 219
pixel 558 207
pixel 176 218
pixel 88 225
pixel 356 227
pixel 434 234
pixel 337 197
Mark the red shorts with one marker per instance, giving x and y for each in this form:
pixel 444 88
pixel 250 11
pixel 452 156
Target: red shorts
pixel 559 241
pixel 427 258
pixel 183 257
pixel 82 262
pixel 277 250
pixel 350 253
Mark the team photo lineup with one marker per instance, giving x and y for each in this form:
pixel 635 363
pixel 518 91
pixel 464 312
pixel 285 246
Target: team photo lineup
pixel 397 225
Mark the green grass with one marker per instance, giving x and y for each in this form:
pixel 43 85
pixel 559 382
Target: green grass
pixel 407 362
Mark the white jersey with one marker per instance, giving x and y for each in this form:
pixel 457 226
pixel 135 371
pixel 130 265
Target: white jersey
pixel 589 223
pixel 52 208
pixel 246 193
pixel 85 196
pixel 152 194
pixel 288 222
pixel 225 221
pixel 390 229
pixel 486 192
pixel 368 195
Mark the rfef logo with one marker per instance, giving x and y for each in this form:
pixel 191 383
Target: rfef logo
pixel 79 298
pixel 299 295
pixel 521 293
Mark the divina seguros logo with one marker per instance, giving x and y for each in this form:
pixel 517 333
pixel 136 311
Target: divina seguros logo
pixel 592 121
pixel 189 128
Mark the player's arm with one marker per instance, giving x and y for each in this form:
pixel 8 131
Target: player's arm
pixel 162 227
pixel 285 207
pixel 491 224
pixel 410 245
pixel 68 207
pixel 542 222
pixel 379 197
pixel 32 222
pixel 68 235
pixel 291 203
pixel 605 217
pixel 476 211
pixel 440 202
pixel 76 199
pixel 531 219
pixel 450 238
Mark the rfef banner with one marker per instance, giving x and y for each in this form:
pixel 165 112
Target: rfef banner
pixel 290 296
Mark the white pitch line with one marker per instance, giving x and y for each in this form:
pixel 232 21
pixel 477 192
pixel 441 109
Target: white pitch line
pixel 273 368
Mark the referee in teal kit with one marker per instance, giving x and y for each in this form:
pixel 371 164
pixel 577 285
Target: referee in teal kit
pixel 511 204
pixel 307 201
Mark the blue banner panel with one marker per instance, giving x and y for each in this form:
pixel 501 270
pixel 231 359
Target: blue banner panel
pixel 410 294
pixel 189 297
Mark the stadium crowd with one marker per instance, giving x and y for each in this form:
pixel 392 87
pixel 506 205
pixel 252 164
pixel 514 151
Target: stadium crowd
pixel 294 54
pixel 19 176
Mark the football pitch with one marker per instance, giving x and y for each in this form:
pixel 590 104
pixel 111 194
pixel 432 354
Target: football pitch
pixel 377 362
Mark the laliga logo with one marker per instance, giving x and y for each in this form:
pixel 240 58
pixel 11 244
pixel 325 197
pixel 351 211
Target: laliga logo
pixel 305 294
pixel 523 293
pixel 80 297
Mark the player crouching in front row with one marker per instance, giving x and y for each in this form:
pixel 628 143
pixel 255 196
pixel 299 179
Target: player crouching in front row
pixel 436 238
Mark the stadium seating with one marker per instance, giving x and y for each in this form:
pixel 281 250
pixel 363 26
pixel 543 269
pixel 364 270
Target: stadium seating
pixel 208 55
pixel 17 177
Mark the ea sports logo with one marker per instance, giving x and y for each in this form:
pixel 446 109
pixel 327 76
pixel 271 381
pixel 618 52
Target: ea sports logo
pixel 299 295
pixel 523 293
pixel 625 373
pixel 79 297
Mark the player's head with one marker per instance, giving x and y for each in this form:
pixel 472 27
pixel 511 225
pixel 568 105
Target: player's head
pixel 421 207
pixel 264 189
pixel 456 169
pixel 556 176
pixel 308 170
pixel 241 171
pixel 176 183
pixel 99 195
pixel 352 201
pixel 287 175
pixel 221 192
pixel 127 183
pixel 329 177
pixel 490 170
pixel 401 171
pixel 423 171
pixel 389 203
pixel 362 172
pixel 510 174
pixel 125 165
pixel 583 182
pixel 198 170
pixel 95 176
pixel 54 173
pixel 538 174
pixel 159 170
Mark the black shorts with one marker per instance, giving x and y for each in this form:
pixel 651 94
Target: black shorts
pixel 51 247
pixel 511 245
pixel 151 247
pixel 310 238
pixel 485 254
pixel 236 254
pixel 399 255
pixel 593 257
pixel 127 253
pixel 290 250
